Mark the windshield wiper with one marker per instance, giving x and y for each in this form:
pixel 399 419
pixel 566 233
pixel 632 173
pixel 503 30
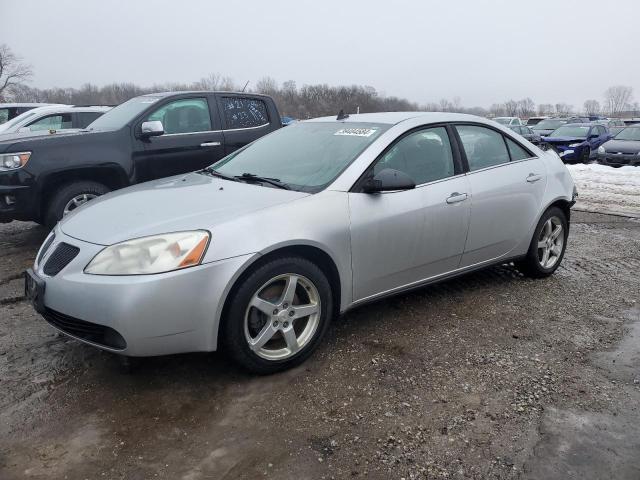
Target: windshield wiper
pixel 215 173
pixel 250 177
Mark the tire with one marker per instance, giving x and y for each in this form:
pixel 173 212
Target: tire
pixel 59 200
pixel 532 265
pixel 586 155
pixel 289 340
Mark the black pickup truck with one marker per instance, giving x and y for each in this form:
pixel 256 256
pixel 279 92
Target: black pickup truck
pixel 148 137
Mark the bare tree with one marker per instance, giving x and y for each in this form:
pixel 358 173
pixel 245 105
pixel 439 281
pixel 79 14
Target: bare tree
pixel 592 107
pixel 526 107
pixel 545 109
pixel 497 109
pixel 617 98
pixel 511 107
pixel 13 72
pixel 563 109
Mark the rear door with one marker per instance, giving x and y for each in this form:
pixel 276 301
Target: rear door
pixel 507 184
pixel 244 119
pixel 192 138
pixel 403 237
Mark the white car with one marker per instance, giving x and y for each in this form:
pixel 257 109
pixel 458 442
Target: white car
pixel 9 111
pixel 52 117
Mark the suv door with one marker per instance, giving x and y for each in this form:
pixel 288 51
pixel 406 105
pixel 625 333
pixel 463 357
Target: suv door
pixel 244 119
pixel 507 183
pixel 192 139
pixel 403 237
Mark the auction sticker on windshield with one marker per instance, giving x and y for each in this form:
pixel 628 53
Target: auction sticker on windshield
pixel 356 132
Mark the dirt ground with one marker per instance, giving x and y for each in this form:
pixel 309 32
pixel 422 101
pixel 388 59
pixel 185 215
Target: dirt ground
pixel 491 375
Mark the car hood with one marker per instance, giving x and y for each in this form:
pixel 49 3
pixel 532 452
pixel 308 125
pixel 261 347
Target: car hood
pixel 624 146
pixel 564 140
pixel 186 202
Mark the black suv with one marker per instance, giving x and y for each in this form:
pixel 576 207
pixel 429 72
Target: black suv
pixel 148 137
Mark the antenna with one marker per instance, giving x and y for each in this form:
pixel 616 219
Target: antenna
pixel 245 86
pixel 342 115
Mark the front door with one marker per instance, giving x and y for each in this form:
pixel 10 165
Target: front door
pixel 191 141
pixel 401 238
pixel 507 184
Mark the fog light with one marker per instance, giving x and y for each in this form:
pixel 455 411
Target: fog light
pixel 9 199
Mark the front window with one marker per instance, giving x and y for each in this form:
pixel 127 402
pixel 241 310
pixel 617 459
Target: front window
pixel 60 121
pixel 629 134
pixel 306 156
pixel 572 131
pixel 118 117
pixel 183 116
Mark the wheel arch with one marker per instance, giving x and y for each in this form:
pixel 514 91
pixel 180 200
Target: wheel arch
pixel 309 251
pixel 110 176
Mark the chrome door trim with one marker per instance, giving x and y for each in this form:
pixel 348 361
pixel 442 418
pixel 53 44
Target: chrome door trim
pixel 471 172
pixel 215 131
pixel 210 144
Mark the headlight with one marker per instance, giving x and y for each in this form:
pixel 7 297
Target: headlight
pixel 148 255
pixel 575 144
pixel 601 150
pixel 11 161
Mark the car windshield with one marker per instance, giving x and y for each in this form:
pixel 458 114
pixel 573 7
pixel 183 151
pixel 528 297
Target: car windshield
pixel 629 133
pixel 574 131
pixel 549 124
pixel 306 156
pixel 503 120
pixel 118 117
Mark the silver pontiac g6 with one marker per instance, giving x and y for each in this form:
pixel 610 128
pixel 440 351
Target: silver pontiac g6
pixel 259 251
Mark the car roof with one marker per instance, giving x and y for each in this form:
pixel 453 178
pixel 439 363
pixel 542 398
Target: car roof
pixel 201 92
pixel 579 124
pixel 393 118
pixel 12 105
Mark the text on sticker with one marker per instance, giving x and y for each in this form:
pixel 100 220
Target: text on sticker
pixel 356 132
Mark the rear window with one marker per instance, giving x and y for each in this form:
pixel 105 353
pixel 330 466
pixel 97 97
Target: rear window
pixel 244 112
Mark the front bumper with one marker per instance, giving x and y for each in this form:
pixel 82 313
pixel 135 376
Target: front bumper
pixel 137 315
pixel 619 159
pixel 17 203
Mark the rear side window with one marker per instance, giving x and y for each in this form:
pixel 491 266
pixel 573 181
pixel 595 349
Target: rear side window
pixel 516 151
pixel 242 112
pixel 425 156
pixel 483 147
pixel 85 118
pixel 183 116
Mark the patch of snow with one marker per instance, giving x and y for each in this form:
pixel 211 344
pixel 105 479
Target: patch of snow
pixel 605 189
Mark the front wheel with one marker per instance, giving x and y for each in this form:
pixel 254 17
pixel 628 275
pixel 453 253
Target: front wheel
pixel 586 155
pixel 70 197
pixel 547 246
pixel 278 315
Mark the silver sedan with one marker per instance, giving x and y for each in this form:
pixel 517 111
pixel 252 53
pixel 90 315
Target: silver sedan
pixel 259 251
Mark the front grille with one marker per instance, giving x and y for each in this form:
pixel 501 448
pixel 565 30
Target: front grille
pixel 91 332
pixel 60 258
pixel 45 247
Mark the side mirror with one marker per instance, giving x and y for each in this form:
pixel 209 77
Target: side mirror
pixel 152 129
pixel 388 180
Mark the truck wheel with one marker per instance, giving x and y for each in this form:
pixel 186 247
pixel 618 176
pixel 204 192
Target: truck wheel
pixel 69 197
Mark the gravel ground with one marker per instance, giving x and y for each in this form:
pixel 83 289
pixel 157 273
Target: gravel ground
pixel 491 375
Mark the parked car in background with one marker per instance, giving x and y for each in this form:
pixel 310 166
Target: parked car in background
pixel 534 121
pixel 623 149
pixel 9 111
pixel 152 136
pixel 610 122
pixel 548 125
pixel 615 130
pixel 259 251
pixel 287 121
pixel 508 121
pixel 527 133
pixel 52 118
pixel 577 142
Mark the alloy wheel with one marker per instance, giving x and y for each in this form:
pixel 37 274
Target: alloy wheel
pixel 550 242
pixel 282 317
pixel 77 201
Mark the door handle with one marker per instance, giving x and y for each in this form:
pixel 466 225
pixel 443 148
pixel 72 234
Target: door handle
pixel 533 177
pixel 456 197
pixel 210 144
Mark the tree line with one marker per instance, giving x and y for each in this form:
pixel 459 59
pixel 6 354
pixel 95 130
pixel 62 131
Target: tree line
pixel 299 102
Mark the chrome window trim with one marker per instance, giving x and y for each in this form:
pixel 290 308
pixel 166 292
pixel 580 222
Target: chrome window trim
pixel 214 131
pixel 471 172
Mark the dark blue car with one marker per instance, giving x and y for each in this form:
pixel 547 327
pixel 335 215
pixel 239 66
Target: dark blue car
pixel 577 142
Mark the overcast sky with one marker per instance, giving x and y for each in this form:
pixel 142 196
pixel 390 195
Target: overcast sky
pixel 483 51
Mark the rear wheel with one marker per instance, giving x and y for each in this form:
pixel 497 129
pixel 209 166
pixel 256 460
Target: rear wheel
pixel 547 246
pixel 278 315
pixel 70 197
